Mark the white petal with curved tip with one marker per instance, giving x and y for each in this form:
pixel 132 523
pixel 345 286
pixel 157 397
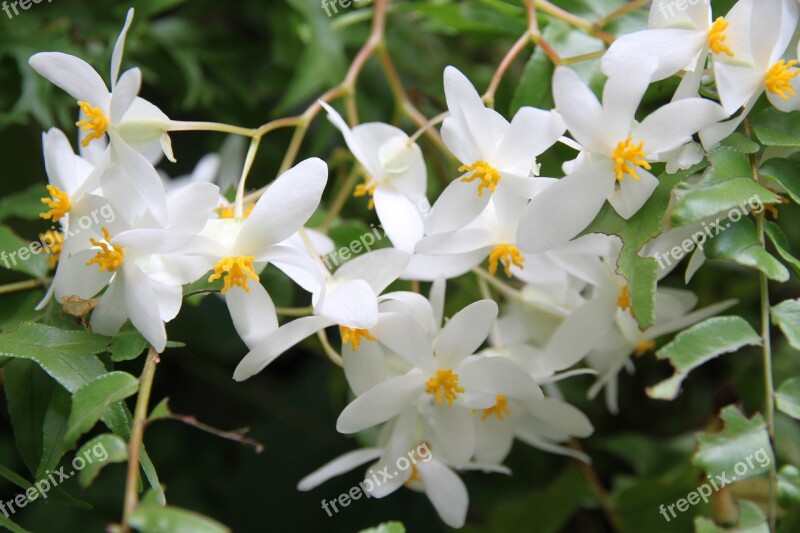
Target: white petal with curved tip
pixel 111 311
pixel 446 491
pixel 400 218
pixel 792 103
pixel 169 299
pixel 286 205
pixel 494 438
pixel 672 49
pixel 140 300
pixel 562 416
pixel 352 304
pixel 381 402
pixel 498 375
pixel 689 319
pixel 532 131
pixel 141 176
pixel 454 428
pixel 456 242
pixel 340 465
pixel 119 48
pixel 276 343
pixel 431 267
pixel 73 75
pixel 580 109
pixel 379 268
pixel 459 142
pixel 189 208
pixel 465 333
pixel 633 194
pixel 466 106
pixel 737 85
pixel 622 95
pixel 457 206
pixel 580 332
pixel 403 335
pixel 363 368
pixel 565 208
pixel 673 125
pixel 125 93
pixel 65 170
pixel 75 278
pixel 253 313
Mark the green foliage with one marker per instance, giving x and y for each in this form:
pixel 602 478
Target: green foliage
pixel 787 315
pixel 787 397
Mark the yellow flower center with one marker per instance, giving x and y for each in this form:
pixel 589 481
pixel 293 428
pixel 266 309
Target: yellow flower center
pixel 58 203
pixel 506 254
pixel 644 347
pixel 228 211
pixel 481 170
pixel 626 155
pixel 717 37
pixel 354 336
pixel 365 189
pixel 109 257
pixel 414 476
pixel 500 409
pixel 624 299
pixel 236 271
pixel 96 122
pixel 779 78
pixel 444 385
pixel 52 244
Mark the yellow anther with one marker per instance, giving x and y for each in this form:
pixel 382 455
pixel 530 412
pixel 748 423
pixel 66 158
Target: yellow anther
pixel 365 189
pixel 500 409
pixel 507 255
pixel 228 211
pixel 624 299
pixel 717 37
pixel 644 347
pixel 96 122
pixel 414 476
pixel 626 155
pixel 481 170
pixel 354 336
pixel 444 385
pixel 236 271
pixel 779 78
pixel 52 244
pixel 58 203
pixel 110 257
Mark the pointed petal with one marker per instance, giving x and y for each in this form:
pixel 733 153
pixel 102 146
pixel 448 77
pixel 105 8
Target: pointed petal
pixel 340 465
pixel 111 311
pixel 672 49
pixel 457 206
pixel 403 335
pixel 672 125
pixel 498 375
pixel 580 332
pixel 253 313
pixel 379 268
pixel 466 106
pixel 532 131
pixel 142 305
pixel 119 48
pixel 380 403
pixel 73 75
pixel 363 368
pixel 352 304
pixel 622 95
pixel 446 491
pixel 124 94
pixel 633 194
pixel 400 218
pixel 562 416
pixel 580 109
pixel 454 429
pixel 465 332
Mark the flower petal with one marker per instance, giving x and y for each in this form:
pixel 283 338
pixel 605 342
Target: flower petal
pixel 340 465
pixel 379 268
pixel 580 109
pixel 119 48
pixel 673 125
pixel 457 206
pixel 446 491
pixel 352 304
pixel 380 403
pixel 124 94
pixel 253 313
pixel 632 194
pixel 400 218
pixel 363 368
pixel 464 333
pixel 532 131
pixel 73 75
pixel 141 302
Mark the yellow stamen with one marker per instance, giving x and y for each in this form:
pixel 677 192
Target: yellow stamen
pixel 236 271
pixel 414 476
pixel 354 336
pixel 624 299
pixel 500 409
pixel 444 384
pixel 779 78
pixel 110 257
pixel 506 254
pixel 59 204
pixel 365 189
pixel 772 208
pixel 717 37
pixel 644 347
pixel 227 211
pixel 626 155
pixel 52 244
pixel 481 170
pixel 96 122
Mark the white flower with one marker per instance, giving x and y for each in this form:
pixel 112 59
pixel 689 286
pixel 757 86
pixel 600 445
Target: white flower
pixel 349 298
pixel 758 36
pixel 396 176
pixel 496 155
pixel 616 157
pixel 138 122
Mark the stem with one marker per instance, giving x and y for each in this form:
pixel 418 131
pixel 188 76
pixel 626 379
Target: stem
pixel 179 125
pixel 636 4
pixel 137 433
pixel 511 55
pixel 22 285
pixel 238 206
pixel 330 351
pixel 599 490
pixel 340 199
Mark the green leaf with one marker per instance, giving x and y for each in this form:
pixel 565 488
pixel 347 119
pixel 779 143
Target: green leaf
pixel 781 243
pixel 742 450
pixel 115 449
pixel 202 285
pixel 68 356
pixel 53 430
pixel 740 143
pixel 789 486
pixel 751 520
pixel 14 478
pixel 128 345
pixel 91 400
pixel 386 527
pixel 785 174
pixel 11 526
pixel 156 519
pixel 25 204
pixel 697 201
pixel 739 244
pixel 776 128
pixel 786 315
pixel 160 411
pixel 728 162
pixel 699 344
pixel 787 398
pixel 16 255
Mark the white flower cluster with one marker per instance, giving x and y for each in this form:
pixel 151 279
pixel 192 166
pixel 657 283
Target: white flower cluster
pixel 417 377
